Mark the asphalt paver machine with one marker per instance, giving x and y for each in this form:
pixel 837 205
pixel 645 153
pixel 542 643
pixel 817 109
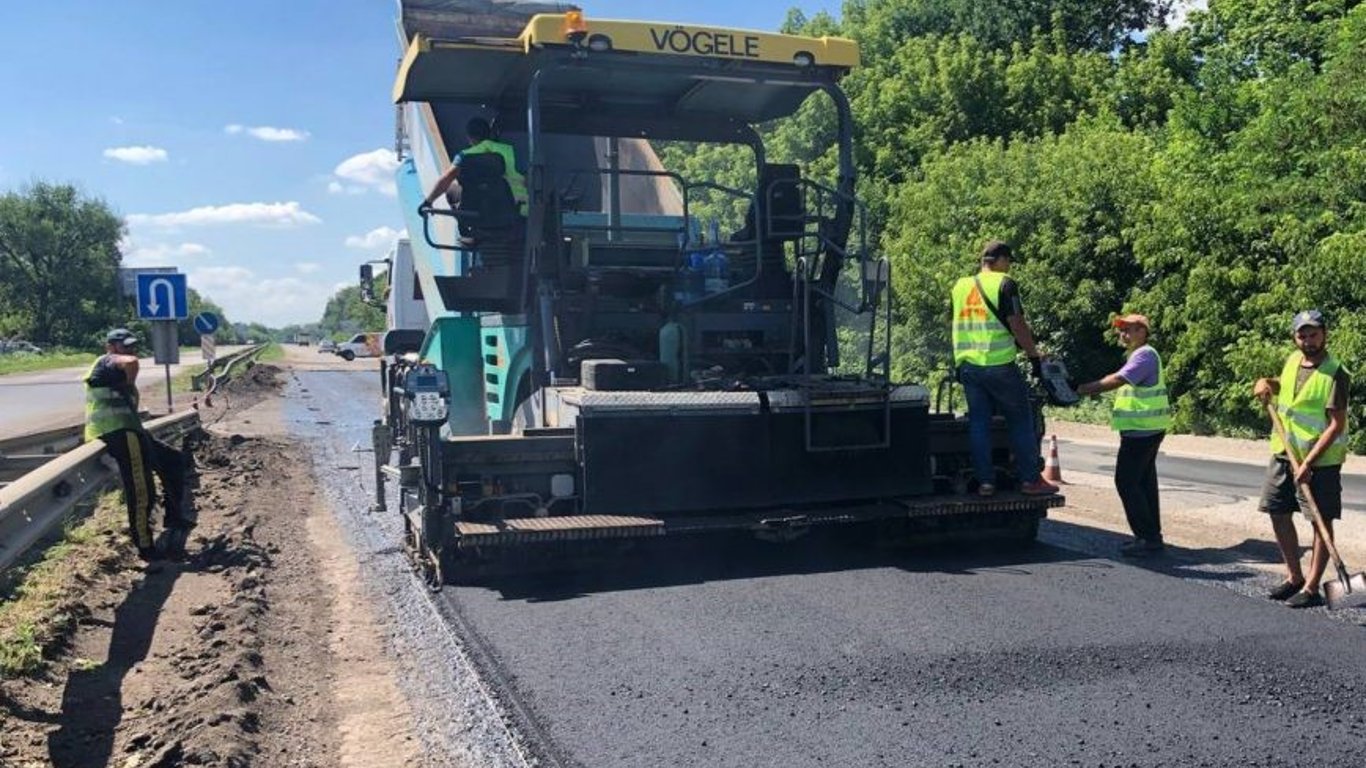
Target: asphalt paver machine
pixel 591 371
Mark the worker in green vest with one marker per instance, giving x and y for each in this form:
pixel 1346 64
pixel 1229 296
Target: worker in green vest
pixel 111 415
pixel 1141 414
pixel 480 135
pixel 1311 398
pixel 988 325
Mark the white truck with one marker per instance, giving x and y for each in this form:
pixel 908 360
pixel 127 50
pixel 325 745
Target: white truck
pixel 360 345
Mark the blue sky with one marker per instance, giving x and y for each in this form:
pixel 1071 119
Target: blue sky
pixel 246 141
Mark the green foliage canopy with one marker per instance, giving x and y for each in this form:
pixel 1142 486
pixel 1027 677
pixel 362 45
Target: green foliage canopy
pixel 1212 176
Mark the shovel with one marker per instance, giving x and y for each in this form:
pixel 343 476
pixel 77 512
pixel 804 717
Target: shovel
pixel 1349 591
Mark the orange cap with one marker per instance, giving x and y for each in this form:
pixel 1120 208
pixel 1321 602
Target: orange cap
pixel 1142 320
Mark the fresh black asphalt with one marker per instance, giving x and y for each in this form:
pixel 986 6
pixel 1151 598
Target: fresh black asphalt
pixel 838 653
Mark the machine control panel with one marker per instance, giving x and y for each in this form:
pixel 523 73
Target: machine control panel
pixel 427 394
pixel 1056 383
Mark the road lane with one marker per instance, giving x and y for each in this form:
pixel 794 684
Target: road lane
pixel 830 653
pixel 1233 478
pixel 34 401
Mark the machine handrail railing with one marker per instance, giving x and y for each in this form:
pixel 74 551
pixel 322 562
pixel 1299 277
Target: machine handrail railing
pixel 884 392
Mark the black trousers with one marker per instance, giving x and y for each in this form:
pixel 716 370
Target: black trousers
pixel 1136 482
pixel 139 456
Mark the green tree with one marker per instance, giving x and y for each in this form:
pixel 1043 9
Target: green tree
pixel 59 263
pixel 346 314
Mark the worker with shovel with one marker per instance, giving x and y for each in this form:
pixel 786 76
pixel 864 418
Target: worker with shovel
pixel 1310 408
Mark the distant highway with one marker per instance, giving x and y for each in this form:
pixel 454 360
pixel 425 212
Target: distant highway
pixel 32 401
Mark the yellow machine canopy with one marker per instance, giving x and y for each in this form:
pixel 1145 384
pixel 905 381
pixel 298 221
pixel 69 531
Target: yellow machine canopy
pixel 641 77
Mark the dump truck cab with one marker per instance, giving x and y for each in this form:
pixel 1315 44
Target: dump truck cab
pixel 609 367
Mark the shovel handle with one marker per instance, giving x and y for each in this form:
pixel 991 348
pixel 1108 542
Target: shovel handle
pixel 1319 527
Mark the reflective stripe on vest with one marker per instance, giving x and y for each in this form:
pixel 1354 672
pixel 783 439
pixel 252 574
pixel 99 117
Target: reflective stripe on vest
pixel 514 179
pixel 106 410
pixel 1305 412
pixel 1142 408
pixel 978 337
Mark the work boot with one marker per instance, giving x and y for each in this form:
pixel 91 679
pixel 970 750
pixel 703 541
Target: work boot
pixel 1285 591
pixel 172 542
pixel 1141 547
pixel 1305 600
pixel 1039 487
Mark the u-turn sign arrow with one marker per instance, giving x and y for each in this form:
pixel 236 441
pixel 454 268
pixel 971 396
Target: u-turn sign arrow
pixel 162 297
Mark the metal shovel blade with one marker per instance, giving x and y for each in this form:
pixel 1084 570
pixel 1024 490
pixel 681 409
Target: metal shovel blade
pixel 1349 595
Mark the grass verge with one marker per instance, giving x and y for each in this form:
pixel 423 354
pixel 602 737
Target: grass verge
pixel 272 353
pixel 39 603
pixel 60 358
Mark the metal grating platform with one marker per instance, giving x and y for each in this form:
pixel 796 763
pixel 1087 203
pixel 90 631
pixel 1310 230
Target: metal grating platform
pixel 523 530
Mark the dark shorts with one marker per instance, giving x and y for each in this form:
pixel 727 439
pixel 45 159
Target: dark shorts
pixel 1280 497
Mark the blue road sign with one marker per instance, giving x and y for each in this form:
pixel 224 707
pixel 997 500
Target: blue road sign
pixel 162 297
pixel 205 323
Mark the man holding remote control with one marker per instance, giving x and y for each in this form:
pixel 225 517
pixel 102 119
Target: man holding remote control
pixel 988 325
pixel 1141 414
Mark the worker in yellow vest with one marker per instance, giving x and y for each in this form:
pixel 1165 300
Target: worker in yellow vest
pixel 988 325
pixel 1311 397
pixel 480 135
pixel 111 415
pixel 1141 414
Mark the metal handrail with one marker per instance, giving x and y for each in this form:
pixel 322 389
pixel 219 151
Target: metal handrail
pixel 32 506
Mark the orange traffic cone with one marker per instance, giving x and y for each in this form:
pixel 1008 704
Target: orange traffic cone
pixel 1052 468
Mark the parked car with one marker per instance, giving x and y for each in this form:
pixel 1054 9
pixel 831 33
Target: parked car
pixel 19 346
pixel 327 345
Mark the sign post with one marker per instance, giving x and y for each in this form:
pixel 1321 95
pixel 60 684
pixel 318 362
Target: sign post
pixel 205 323
pixel 163 299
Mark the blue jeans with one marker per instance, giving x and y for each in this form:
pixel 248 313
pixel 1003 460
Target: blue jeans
pixel 1000 388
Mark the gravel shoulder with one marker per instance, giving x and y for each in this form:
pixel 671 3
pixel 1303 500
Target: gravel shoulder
pixel 255 650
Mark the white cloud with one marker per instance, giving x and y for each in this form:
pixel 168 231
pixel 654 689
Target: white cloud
pixel 248 297
pixel 136 155
pixel 160 254
pixel 267 133
pixel 379 238
pixel 116 120
pixel 1180 12
pixel 372 170
pixel 307 267
pixel 289 214
pixel 338 188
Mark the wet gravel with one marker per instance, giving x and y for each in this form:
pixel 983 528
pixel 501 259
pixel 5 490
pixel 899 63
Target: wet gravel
pixel 829 653
pixel 456 717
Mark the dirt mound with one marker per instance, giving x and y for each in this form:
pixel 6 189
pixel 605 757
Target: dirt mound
pixel 261 377
pixel 166 666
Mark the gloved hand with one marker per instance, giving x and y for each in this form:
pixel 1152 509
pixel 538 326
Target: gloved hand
pixel 423 208
pixel 1036 367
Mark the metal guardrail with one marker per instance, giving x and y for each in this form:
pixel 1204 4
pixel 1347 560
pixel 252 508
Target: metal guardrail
pixel 226 364
pixel 33 505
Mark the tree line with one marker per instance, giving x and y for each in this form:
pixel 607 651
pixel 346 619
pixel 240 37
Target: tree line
pixel 59 273
pixel 1211 176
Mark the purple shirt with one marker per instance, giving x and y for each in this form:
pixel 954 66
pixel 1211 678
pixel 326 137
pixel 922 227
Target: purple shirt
pixel 1140 370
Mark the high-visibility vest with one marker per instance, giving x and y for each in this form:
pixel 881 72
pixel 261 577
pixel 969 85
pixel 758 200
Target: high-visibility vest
pixel 106 409
pixel 1305 413
pixel 978 337
pixel 514 179
pixel 1142 408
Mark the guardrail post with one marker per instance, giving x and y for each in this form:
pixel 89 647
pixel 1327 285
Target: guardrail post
pixel 379 440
